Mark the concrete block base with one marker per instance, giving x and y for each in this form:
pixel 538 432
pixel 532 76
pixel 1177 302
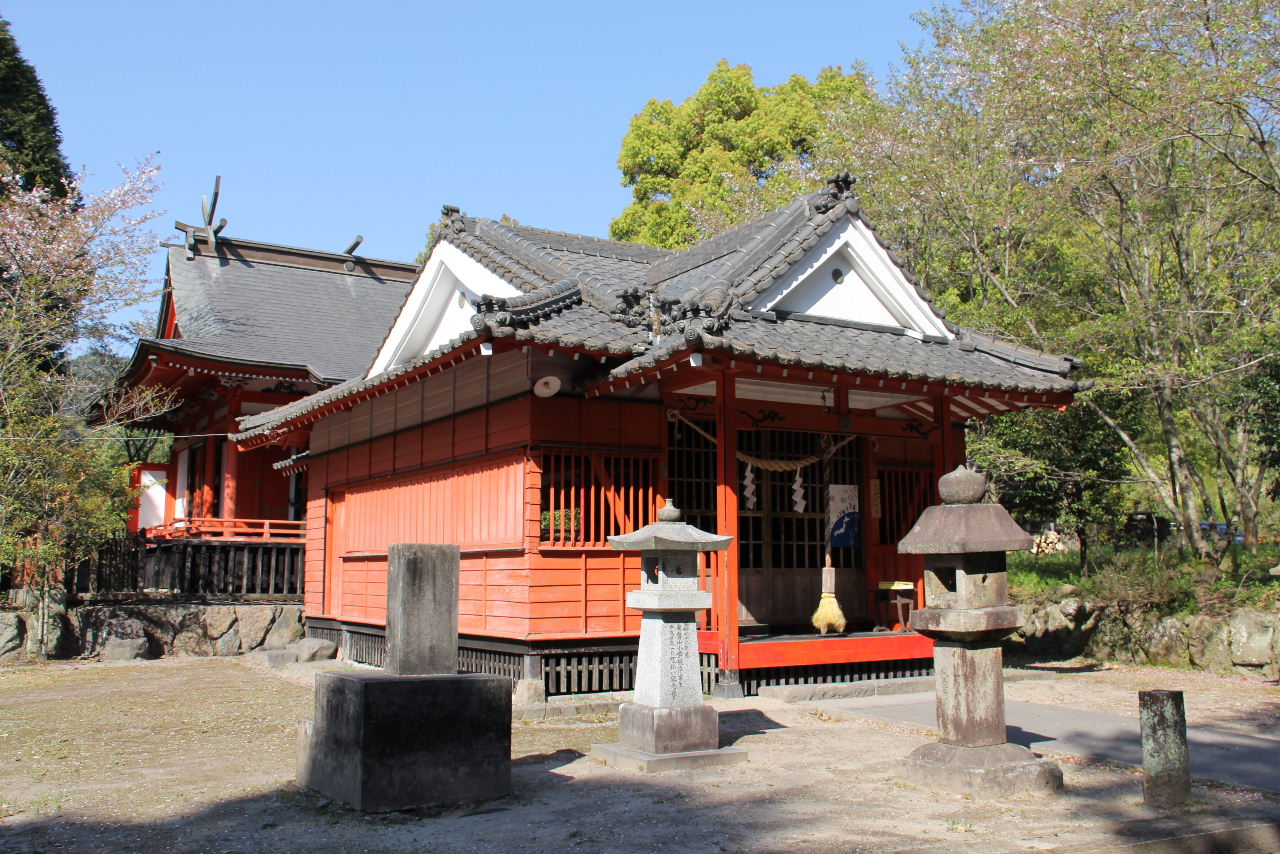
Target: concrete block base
pixel 623 757
pixel 380 742
pixel 529 692
pixel 996 771
pixel 658 730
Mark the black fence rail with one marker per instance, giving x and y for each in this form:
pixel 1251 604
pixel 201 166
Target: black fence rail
pixel 115 567
pixel 213 567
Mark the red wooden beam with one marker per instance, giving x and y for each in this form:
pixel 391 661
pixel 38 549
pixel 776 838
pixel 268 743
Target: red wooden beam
pixel 843 650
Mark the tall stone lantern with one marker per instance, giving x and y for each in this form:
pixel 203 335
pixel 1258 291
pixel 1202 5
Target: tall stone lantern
pixel 667 725
pixel 967 613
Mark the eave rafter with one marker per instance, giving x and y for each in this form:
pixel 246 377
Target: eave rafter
pixel 978 398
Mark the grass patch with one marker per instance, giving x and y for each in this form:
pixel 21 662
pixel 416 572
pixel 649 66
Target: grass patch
pixel 1033 575
pixel 1169 580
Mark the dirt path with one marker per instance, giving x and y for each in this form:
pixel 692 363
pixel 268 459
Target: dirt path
pixel 1235 703
pixel 196 755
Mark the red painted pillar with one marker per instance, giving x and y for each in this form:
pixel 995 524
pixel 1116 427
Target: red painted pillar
pixel 210 477
pixel 230 458
pixel 727 684
pixel 230 468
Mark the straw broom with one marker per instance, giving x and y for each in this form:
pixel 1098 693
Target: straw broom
pixel 829 617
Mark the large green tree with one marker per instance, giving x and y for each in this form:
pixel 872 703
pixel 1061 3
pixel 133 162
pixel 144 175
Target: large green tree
pixel 681 158
pixel 1097 177
pixel 29 138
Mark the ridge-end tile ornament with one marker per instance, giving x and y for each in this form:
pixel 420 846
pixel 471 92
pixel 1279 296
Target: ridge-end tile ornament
pixel 667 726
pixel 967 613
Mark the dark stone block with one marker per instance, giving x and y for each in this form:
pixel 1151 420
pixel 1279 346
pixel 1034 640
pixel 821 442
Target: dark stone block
pixel 422 609
pixel 383 742
pixel 651 729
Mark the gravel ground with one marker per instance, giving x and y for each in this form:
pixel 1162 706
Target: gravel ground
pixel 196 755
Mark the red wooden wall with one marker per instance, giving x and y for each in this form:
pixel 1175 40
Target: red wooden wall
pixel 378 475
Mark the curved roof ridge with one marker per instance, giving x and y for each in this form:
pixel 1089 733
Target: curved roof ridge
pixel 1019 354
pixel 620 250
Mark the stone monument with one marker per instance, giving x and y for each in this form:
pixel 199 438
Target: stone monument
pixel 667 725
pixel 417 733
pixel 967 613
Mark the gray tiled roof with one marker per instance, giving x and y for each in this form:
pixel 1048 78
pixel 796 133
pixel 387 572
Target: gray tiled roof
pixel 642 305
pixel 263 312
pixel 815 343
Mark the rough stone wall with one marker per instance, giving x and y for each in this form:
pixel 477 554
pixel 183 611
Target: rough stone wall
pixel 1245 642
pixel 154 629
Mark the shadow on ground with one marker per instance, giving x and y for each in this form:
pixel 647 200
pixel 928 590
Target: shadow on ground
pixel 627 812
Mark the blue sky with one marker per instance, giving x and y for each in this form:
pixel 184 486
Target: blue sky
pixel 329 119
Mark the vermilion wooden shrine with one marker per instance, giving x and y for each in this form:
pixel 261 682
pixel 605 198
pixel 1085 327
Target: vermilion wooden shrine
pixel 784 382
pixel 245 327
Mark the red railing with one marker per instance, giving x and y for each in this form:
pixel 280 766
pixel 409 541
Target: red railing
pixel 229 529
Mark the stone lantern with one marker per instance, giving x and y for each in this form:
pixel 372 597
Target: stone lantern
pixel 967 613
pixel 668 725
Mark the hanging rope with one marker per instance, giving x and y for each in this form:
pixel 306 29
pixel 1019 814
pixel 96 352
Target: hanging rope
pixel 759 462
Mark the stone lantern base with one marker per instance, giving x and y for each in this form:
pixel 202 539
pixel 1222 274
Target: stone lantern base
pixel 996 771
pixel 654 738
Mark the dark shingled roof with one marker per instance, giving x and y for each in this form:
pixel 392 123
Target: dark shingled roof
pixel 239 307
pixel 643 305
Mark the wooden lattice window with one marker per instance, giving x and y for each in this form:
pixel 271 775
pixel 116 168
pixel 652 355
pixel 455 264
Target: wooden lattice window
pixel 588 496
pixel 691 472
pixel 774 534
pixel 905 491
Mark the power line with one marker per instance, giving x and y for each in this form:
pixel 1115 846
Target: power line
pixel 106 438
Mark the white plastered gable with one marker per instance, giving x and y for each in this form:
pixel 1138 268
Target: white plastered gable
pixel 848 276
pixel 440 305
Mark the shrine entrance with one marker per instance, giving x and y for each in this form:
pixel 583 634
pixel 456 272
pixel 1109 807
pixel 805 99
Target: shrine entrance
pixel 799 504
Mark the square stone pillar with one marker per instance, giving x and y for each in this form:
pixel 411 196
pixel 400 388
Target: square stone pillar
pixel 419 733
pixel 422 609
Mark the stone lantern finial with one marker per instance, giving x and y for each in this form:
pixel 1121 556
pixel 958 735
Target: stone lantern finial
pixel 962 486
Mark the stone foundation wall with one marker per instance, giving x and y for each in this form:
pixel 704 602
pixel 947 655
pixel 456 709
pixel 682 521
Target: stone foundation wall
pixel 1245 642
pixel 146 630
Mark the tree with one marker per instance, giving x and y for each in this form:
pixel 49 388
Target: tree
pixel 1067 467
pixel 66 268
pixel 680 158
pixel 1097 177
pixel 1154 125
pixel 29 137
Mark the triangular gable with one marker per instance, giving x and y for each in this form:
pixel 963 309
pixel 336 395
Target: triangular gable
pixel 848 276
pixel 440 306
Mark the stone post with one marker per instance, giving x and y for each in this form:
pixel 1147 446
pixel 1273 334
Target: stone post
pixel 1166 766
pixel 668 725
pixel 422 609
pixel 419 733
pixel 967 613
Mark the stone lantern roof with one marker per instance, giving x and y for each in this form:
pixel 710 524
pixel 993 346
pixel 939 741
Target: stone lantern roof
pixel 961 525
pixel 670 534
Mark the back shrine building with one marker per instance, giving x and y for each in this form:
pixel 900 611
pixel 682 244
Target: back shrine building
pixel 244 327
pixel 784 382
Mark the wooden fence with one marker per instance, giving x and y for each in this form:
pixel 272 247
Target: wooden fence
pixel 213 567
pixel 135 564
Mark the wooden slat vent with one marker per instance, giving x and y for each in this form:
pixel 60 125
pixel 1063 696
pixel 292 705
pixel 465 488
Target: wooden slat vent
pixel 588 496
